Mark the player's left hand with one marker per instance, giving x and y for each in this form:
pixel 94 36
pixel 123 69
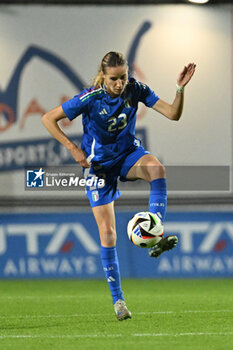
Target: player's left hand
pixel 186 74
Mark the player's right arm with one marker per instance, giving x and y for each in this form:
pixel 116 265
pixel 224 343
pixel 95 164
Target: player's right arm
pixel 50 121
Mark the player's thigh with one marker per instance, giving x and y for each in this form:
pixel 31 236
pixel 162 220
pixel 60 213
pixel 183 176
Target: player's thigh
pixel 148 168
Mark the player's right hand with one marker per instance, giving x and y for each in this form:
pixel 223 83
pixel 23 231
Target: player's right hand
pixel 80 157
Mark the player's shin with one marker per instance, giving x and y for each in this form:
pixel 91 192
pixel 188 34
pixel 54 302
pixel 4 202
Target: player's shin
pixel 110 264
pixel 158 198
pixel 158 205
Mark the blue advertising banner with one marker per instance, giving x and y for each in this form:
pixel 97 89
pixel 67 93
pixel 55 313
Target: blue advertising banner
pixel 66 245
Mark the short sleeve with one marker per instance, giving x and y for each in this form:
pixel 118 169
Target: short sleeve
pixel 77 105
pixel 147 96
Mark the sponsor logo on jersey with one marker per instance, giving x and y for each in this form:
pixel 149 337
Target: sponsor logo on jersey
pixel 103 111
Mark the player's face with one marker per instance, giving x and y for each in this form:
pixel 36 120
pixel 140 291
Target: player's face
pixel 115 79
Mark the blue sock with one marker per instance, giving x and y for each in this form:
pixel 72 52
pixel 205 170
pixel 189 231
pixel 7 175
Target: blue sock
pixel 158 198
pixel 110 264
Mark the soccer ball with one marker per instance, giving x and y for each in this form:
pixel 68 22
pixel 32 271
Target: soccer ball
pixel 145 229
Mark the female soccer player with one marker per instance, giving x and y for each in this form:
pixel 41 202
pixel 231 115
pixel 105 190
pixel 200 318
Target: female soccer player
pixel 110 150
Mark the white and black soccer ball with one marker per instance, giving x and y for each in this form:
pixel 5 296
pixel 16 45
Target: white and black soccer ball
pixel 145 229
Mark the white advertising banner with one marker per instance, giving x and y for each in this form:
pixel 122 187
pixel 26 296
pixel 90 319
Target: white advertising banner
pixel 50 53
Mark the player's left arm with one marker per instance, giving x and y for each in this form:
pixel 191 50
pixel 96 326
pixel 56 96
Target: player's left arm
pixel 173 111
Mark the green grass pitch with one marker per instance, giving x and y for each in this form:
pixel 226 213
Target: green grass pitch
pixel 78 314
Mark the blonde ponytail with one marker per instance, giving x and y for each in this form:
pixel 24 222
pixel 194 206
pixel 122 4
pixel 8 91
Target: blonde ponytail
pixel 99 79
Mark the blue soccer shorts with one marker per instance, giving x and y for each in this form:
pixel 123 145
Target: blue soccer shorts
pixel 104 194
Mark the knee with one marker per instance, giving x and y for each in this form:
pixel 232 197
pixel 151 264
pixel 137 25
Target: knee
pixel 154 171
pixel 107 235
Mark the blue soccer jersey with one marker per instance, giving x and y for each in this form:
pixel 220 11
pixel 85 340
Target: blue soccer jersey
pixel 108 123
